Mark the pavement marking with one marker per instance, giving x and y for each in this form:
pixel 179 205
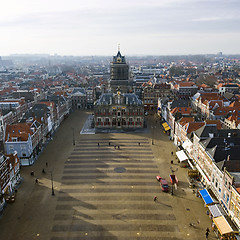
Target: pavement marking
pixel 97 200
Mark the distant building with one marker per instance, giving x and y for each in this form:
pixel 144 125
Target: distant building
pixel 185 90
pixel 152 93
pixel 90 97
pixel 79 98
pixel 120 111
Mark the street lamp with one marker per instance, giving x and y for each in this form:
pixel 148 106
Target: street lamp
pixel 73 137
pixel 152 127
pixel 52 184
pixel 173 171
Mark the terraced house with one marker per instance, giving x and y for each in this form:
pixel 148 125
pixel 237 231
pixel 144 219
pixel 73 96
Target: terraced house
pixel 25 139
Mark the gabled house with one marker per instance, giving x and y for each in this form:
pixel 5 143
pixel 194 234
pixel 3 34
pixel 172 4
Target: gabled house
pixel 14 170
pixel 63 106
pixel 234 208
pixel 4 180
pixel 215 154
pixel 41 109
pixel 53 112
pixel 184 90
pixel 24 138
pixel 223 112
pixel 206 102
pixel 79 98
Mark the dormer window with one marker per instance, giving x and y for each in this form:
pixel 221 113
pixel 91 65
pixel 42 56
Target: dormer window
pixel 14 139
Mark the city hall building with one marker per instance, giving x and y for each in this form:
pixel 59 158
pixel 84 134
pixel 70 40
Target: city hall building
pixel 120 111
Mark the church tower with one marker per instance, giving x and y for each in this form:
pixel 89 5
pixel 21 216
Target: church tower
pixel 119 73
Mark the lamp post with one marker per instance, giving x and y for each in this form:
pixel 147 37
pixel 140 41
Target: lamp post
pixel 173 171
pixel 73 136
pixel 153 127
pixel 52 184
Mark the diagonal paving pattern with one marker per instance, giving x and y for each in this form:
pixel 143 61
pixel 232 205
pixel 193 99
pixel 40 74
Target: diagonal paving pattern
pixel 107 193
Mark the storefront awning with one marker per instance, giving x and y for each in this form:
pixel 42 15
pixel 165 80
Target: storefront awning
pixel 222 225
pixel 166 127
pixel 181 156
pixel 216 210
pixel 206 196
pixel 187 146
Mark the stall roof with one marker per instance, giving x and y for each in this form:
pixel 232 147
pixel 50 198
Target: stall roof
pixel 206 196
pixel 187 145
pixel 216 210
pixel 166 126
pixel 181 155
pixel 222 225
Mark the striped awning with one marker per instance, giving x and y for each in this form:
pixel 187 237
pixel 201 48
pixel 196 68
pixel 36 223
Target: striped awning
pixel 216 210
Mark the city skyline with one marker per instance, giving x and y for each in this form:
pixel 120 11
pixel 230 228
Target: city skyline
pixel 167 27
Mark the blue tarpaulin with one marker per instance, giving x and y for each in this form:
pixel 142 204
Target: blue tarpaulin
pixel 206 197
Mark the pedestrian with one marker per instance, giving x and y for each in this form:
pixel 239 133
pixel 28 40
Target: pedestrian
pixel 46 164
pixel 98 144
pixel 207 230
pixel 207 233
pixel 171 161
pixel 155 199
pixel 118 146
pixel 115 146
pixel 43 171
pixel 32 173
pixel 36 181
pixel 109 143
pixel 172 153
pixel 139 144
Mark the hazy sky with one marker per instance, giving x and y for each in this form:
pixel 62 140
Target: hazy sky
pixel 96 27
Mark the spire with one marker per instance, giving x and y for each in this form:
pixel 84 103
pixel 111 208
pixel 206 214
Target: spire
pixel 119 54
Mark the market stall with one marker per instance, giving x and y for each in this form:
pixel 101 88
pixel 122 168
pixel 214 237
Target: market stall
pixel 216 210
pixel 166 126
pixel 223 229
pixel 206 197
pixel 183 158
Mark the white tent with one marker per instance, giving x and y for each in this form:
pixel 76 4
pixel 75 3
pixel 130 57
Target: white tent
pixel 187 145
pixel 181 156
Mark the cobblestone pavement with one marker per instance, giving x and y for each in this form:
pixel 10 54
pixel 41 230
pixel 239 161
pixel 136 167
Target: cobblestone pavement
pixel 104 187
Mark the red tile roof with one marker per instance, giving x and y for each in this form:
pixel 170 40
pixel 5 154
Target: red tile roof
pixel 19 130
pixel 217 122
pixel 193 126
pixel 185 120
pixel 182 110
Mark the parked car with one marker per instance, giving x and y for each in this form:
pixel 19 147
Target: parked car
pixel 163 183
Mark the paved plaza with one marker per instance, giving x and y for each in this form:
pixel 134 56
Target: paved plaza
pixel 104 186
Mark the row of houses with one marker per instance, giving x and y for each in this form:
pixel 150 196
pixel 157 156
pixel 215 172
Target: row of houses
pixel 23 139
pixel 36 126
pixel 9 176
pixel 212 145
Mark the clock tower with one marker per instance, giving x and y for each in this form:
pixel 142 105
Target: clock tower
pixel 119 73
